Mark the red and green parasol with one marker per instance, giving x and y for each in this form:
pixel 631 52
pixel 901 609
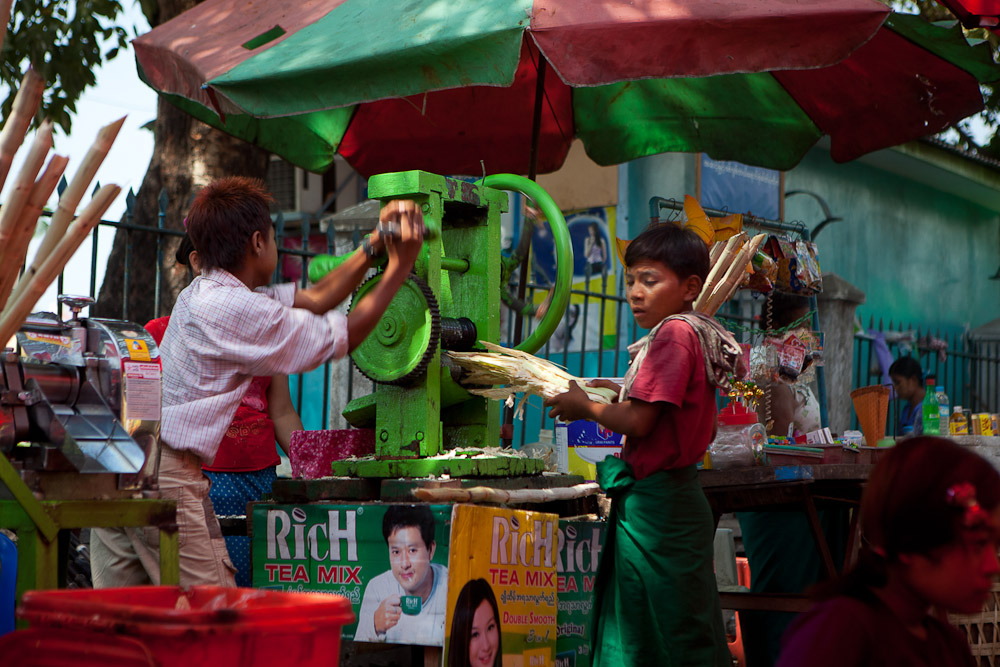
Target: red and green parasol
pixel 451 87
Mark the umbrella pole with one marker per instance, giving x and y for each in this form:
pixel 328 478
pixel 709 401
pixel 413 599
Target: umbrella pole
pixel 507 431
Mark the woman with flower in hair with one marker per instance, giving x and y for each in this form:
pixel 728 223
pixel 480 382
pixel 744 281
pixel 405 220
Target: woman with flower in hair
pixel 930 528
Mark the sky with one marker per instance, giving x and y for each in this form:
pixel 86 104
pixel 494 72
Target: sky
pixel 118 92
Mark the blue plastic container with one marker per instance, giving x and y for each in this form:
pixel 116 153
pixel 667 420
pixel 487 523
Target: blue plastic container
pixel 8 583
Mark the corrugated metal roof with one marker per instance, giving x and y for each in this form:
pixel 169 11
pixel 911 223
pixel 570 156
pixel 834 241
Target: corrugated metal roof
pixel 983 160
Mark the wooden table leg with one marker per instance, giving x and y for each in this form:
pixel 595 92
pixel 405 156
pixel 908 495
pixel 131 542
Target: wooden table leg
pixel 819 536
pixel 853 539
pixel 170 566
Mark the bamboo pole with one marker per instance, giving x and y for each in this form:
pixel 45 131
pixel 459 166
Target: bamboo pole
pixel 26 102
pixel 10 214
pixel 488 494
pixel 718 269
pixel 18 310
pixel 70 199
pixel 25 227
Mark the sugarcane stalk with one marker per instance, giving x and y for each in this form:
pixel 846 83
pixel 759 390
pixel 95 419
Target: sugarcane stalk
pixel 718 270
pixel 26 102
pixel 732 279
pixel 488 494
pixel 717 248
pixel 70 199
pixel 752 246
pixel 18 310
pixel 25 227
pixel 10 214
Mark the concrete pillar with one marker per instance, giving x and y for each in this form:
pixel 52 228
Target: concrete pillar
pixel 836 304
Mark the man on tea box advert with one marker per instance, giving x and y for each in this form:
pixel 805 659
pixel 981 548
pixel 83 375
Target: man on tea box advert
pixel 407 603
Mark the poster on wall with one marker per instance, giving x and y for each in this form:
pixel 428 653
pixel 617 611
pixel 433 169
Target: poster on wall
pixel 587 325
pixel 390 561
pixel 739 188
pixel 502 588
pixel 580 544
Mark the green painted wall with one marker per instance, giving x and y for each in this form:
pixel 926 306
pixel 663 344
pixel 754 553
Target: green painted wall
pixel 920 253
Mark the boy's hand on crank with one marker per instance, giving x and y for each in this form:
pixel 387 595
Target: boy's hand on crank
pixel 405 222
pixel 570 406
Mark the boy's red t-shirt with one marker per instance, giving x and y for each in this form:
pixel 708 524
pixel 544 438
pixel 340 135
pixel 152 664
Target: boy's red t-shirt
pixel 673 372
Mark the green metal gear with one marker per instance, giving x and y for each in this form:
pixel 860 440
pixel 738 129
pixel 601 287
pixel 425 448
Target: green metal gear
pixel 405 339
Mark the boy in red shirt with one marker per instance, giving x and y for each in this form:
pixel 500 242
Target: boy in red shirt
pixel 655 595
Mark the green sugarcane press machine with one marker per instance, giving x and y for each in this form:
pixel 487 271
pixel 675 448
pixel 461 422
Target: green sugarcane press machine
pixel 425 422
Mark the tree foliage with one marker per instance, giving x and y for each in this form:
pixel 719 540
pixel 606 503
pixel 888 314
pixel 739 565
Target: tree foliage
pixel 965 132
pixel 65 42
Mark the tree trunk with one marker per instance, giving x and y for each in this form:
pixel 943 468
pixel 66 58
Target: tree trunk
pixel 187 155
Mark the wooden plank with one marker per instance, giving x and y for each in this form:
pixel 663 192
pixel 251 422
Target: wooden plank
pixel 499 466
pixel 401 489
pixel 765 602
pixel 313 490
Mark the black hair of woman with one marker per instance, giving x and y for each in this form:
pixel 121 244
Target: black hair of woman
pixel 926 494
pixel 470 598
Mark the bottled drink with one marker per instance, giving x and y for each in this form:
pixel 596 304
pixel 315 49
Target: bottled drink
pixel 929 412
pixel 944 409
pixel 958 425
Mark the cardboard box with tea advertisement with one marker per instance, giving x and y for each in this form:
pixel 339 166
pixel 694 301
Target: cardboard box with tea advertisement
pixel 502 588
pixel 390 561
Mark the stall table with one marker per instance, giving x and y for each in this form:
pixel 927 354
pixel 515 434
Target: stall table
pixel 799 487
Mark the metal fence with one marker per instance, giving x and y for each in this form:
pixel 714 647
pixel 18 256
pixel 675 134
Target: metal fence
pixel 968 368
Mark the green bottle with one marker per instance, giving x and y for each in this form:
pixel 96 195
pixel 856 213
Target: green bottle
pixel 930 411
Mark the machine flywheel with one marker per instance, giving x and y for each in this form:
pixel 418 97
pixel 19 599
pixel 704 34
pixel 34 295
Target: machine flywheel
pixel 404 341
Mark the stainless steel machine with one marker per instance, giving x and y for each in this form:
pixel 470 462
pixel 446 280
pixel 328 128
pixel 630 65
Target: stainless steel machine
pixel 79 438
pixel 80 406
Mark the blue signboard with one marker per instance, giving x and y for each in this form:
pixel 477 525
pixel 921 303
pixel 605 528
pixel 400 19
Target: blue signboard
pixel 739 188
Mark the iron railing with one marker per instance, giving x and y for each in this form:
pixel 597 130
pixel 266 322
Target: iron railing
pixel 968 368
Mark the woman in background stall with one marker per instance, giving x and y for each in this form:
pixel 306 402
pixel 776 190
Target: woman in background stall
pixel 930 529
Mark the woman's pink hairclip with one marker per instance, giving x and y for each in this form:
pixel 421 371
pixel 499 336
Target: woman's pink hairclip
pixel 963 495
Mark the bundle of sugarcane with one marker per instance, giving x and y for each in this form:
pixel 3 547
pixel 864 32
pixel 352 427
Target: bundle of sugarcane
pixel 729 261
pixel 24 204
pixel 518 372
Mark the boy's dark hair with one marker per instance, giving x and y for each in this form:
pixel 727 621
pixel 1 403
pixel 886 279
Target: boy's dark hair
pixel 223 218
pixel 405 516
pixel 184 250
pixel 907 367
pixel 680 250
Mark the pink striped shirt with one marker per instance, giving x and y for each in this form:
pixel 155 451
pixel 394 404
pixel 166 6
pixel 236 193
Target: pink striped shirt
pixel 221 335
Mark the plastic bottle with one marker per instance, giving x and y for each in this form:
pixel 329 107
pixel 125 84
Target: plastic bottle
pixel 944 409
pixel 958 424
pixel 562 447
pixel 929 411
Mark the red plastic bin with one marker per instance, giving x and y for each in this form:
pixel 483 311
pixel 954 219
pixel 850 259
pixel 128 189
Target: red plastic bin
pixel 174 627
